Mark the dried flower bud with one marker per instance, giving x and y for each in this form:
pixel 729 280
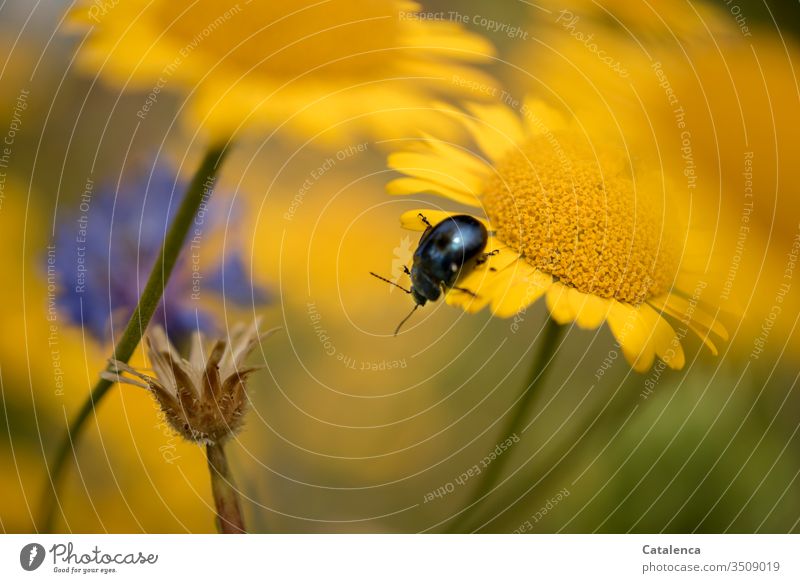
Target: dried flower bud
pixel 203 398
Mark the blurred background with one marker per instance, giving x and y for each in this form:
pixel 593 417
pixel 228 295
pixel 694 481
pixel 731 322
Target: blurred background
pixel 351 429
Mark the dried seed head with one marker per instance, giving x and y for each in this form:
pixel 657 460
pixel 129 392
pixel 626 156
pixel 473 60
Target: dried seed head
pixel 203 398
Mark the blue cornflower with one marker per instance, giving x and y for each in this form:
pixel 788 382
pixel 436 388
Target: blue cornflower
pixel 105 253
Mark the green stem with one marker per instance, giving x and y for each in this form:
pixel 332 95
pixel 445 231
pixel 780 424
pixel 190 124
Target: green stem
pixel 514 425
pixel 223 488
pixel 611 413
pixel 198 191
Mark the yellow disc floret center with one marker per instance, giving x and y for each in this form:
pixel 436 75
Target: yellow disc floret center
pixel 577 214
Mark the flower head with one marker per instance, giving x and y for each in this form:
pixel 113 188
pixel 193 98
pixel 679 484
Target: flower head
pixel 203 398
pixel 104 255
pixel 309 65
pixel 683 61
pixel 567 223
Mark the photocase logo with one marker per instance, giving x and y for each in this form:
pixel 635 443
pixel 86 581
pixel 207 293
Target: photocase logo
pixel 31 556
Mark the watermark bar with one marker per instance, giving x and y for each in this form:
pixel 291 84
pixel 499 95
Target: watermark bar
pixel 356 558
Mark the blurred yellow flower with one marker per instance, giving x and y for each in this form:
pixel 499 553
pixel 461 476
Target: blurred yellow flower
pixel 336 66
pixel 569 224
pixel 649 20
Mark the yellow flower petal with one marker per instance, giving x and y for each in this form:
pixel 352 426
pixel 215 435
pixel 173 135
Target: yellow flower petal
pixel 460 157
pixel 665 342
pixel 526 285
pixel 447 38
pixel 540 118
pixel 682 309
pixel 495 138
pixel 502 256
pixel 411 219
pixel 590 310
pixel 471 305
pixel 482 274
pixel 559 304
pixel 501 120
pixel 701 332
pixel 435 169
pixel 703 336
pixel 405 186
pixel 632 335
pixel 480 284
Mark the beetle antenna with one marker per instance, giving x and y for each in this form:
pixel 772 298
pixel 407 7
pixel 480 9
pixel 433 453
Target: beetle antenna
pixel 411 313
pixel 408 291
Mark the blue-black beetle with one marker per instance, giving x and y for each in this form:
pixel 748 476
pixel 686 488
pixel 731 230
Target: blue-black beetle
pixel 445 252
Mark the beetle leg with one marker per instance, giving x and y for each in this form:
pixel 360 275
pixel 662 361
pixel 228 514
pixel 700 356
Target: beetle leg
pixel 466 291
pixel 425 220
pixel 485 257
pixel 406 270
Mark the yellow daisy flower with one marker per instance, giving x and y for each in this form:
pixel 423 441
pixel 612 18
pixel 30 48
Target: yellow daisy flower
pixel 333 66
pixel 567 223
pixel 712 98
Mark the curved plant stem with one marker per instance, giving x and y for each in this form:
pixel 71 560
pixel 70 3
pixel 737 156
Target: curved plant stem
pixel 198 191
pixel 226 496
pixel 612 413
pixel 514 425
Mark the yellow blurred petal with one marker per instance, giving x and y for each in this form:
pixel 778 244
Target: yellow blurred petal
pixel 458 156
pixel 508 289
pixel 540 118
pixel 559 304
pixel 501 119
pixel 497 129
pixel 468 303
pixel 482 283
pixel 682 309
pixel 447 38
pixel 702 333
pixel 502 256
pixel 632 334
pixel 665 342
pixel 406 186
pixel 79 19
pixel 411 219
pixel 335 68
pixel 494 140
pixel 479 283
pixel 487 272
pixel 688 279
pixel 434 168
pixel 488 280
pixel 590 310
pixel 527 284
